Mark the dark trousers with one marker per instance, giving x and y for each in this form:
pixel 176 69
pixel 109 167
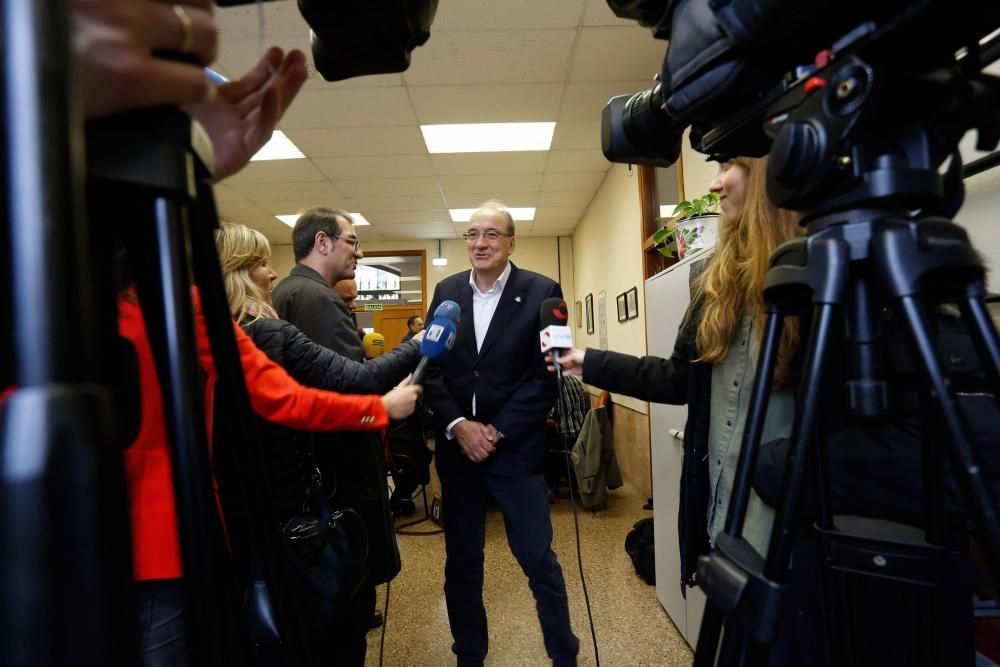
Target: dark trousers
pixel 162 639
pixel 523 500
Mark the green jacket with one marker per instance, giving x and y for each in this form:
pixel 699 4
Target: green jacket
pixel 594 460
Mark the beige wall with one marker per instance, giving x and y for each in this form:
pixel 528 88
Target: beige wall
pixel 607 246
pixel 537 254
pixel 698 173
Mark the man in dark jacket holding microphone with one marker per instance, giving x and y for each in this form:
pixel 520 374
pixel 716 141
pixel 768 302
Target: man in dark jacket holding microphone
pixel 491 398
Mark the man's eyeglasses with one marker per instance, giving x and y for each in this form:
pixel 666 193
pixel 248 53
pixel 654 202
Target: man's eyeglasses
pixel 356 242
pixel 490 235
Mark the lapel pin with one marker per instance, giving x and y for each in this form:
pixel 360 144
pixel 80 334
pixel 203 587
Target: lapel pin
pixel 517 299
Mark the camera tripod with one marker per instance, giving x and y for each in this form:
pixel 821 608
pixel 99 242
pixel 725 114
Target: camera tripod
pixel 851 156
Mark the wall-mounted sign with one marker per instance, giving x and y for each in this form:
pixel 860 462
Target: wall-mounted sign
pixel 373 306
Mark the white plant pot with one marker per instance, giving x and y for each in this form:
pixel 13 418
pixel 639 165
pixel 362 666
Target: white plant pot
pixel 696 234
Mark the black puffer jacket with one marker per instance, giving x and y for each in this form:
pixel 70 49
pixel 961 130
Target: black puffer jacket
pixel 317 366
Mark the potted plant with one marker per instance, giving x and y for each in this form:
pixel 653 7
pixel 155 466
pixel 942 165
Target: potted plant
pixel 688 229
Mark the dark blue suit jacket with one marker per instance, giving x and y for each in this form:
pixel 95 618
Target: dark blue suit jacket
pixel 513 390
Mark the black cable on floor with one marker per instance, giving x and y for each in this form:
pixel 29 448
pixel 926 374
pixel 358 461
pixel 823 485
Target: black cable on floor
pixel 576 521
pixel 385 622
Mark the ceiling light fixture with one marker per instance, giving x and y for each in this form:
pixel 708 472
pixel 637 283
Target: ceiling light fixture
pixel 278 147
pixel 463 214
pixel 439 260
pixel 488 137
pixel 359 220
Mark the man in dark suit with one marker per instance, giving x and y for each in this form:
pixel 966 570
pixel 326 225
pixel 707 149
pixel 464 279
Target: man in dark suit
pixel 491 397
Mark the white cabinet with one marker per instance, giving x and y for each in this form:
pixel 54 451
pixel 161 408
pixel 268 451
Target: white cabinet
pixel 667 298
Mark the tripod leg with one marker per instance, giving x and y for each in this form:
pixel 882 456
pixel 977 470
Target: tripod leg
pixel 985 335
pixel 803 435
pixel 967 468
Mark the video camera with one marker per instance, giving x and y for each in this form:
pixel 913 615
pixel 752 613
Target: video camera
pixel 749 74
pixel 359 38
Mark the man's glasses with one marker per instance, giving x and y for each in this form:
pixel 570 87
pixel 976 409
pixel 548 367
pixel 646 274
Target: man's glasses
pixel 356 242
pixel 490 235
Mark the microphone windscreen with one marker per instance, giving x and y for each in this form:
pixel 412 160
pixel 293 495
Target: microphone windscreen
pixel 553 313
pixel 439 338
pixel 374 344
pixel 448 310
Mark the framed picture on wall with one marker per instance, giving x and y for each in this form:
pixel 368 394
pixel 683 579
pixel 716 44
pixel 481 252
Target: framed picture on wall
pixel 622 311
pixel 632 303
pixel 578 312
pixel 589 301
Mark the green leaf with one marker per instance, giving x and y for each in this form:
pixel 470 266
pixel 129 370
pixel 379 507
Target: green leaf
pixel 663 235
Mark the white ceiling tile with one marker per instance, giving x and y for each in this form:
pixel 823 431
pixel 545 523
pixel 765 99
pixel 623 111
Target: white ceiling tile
pixel 349 107
pixel 576 161
pixel 243 22
pixel 364 187
pixel 344 142
pixel 568 198
pixel 233 211
pixel 309 189
pixel 494 103
pixel 276 171
pixel 577 134
pixel 421 217
pixel 573 181
pixel 226 193
pixel 489 163
pixel 291 205
pixel 550 213
pixel 492 56
pixel 598 13
pixel 369 233
pixel 402 166
pixel 404 232
pixel 637 54
pixel 409 203
pixel 366 81
pixel 496 183
pixel 517 14
pixel 509 199
pixel 586 100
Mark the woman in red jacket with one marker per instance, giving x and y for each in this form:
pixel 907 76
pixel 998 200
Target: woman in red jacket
pixel 275 397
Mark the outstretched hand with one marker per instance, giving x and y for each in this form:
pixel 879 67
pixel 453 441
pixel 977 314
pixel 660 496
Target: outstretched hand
pixel 571 362
pixel 244 113
pixel 120 50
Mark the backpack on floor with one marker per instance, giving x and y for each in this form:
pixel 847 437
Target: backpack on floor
pixel 639 547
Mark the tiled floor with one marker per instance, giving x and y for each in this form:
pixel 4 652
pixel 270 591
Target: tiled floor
pixel 632 628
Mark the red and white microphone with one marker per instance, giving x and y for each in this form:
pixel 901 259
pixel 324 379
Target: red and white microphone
pixel 555 333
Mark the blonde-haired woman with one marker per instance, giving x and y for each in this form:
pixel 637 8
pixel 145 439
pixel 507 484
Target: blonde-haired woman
pixel 714 359
pixel 245 254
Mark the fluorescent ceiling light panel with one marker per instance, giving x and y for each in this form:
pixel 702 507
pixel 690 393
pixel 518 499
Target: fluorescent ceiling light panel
pixel 488 137
pixel 359 220
pixel 463 214
pixel 279 147
pixel 667 210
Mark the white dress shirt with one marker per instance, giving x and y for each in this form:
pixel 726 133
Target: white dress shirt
pixel 484 305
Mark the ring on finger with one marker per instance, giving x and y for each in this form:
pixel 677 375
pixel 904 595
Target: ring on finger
pixel 187 29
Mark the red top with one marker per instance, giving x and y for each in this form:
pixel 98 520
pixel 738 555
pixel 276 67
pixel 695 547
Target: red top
pixel 274 395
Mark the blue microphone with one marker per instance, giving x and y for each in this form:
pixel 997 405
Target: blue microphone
pixel 439 338
pixel 448 310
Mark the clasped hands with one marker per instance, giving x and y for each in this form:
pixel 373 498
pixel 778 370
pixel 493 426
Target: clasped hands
pixel 477 440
